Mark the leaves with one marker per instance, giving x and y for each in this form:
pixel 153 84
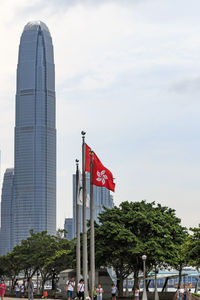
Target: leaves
pixel 40 252
pixel 193 247
pixel 136 228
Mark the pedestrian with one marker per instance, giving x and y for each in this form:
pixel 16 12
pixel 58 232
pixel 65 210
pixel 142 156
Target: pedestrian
pixel 189 294
pixel 114 291
pixel 100 292
pixel 2 289
pixel 70 285
pixel 22 287
pixel 179 293
pixel 185 294
pixel 30 288
pixel 94 293
pixel 17 289
pixel 80 289
pixel 45 294
pixel 137 293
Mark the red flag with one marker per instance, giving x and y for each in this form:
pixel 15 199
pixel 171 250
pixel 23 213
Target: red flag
pixel 101 176
pixel 87 158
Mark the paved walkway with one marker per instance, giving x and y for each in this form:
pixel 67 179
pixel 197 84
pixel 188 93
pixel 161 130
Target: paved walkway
pixel 12 298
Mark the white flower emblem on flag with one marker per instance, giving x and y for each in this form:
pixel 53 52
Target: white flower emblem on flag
pixel 102 176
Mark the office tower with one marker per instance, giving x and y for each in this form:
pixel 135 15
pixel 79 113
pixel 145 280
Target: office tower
pixel 35 134
pixel 7 212
pixel 101 196
pixel 0 183
pixel 68 226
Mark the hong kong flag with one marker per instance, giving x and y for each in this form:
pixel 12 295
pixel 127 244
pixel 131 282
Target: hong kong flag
pixel 101 176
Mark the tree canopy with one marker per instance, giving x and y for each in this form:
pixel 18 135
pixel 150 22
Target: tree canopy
pixel 41 253
pixel 133 229
pixel 193 247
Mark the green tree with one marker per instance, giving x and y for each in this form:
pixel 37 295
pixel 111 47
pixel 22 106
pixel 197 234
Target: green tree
pixel 133 229
pixel 193 247
pixel 113 242
pixel 193 250
pixel 40 252
pixel 10 267
pixel 63 258
pixel 50 254
pixel 61 233
pixel 181 259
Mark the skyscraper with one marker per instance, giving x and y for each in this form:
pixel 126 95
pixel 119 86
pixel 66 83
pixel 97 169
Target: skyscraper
pixel 68 226
pixel 7 212
pixel 35 134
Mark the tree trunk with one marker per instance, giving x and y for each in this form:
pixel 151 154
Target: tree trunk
pixel 43 283
pixel 180 277
pixel 136 280
pixel 13 284
pixel 53 282
pixel 121 286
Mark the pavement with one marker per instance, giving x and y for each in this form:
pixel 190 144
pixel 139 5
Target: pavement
pixel 13 298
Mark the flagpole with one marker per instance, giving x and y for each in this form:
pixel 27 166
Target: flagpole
pixel 92 241
pixel 85 259
pixel 78 254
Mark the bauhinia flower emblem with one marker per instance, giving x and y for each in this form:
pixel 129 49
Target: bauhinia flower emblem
pixel 102 176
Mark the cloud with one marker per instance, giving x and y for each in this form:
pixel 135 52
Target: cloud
pixel 188 86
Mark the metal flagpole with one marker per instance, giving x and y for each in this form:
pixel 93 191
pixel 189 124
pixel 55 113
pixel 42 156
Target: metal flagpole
pixel 92 242
pixel 85 258
pixel 78 254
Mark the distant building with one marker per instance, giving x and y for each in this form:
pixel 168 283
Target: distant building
pixel 6 237
pixel 102 198
pixel 35 135
pixel 68 226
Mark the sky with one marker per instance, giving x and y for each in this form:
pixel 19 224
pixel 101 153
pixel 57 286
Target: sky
pixel 128 73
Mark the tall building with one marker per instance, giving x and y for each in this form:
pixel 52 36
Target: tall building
pixel 7 212
pixel 101 197
pixel 0 184
pixel 68 226
pixel 35 134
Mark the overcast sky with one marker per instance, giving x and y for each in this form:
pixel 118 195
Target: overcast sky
pixel 128 73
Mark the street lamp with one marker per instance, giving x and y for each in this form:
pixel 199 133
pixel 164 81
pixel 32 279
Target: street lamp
pixel 156 297
pixel 144 296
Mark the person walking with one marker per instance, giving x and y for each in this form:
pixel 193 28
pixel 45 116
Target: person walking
pixel 22 288
pixel 80 289
pixel 114 291
pixel 45 294
pixel 30 288
pixel 179 293
pixel 2 289
pixel 94 293
pixel 137 293
pixel 17 289
pixel 100 292
pixel 70 285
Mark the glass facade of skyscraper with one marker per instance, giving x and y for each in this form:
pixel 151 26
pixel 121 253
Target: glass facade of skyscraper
pixel 68 226
pixel 6 236
pixel 35 135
